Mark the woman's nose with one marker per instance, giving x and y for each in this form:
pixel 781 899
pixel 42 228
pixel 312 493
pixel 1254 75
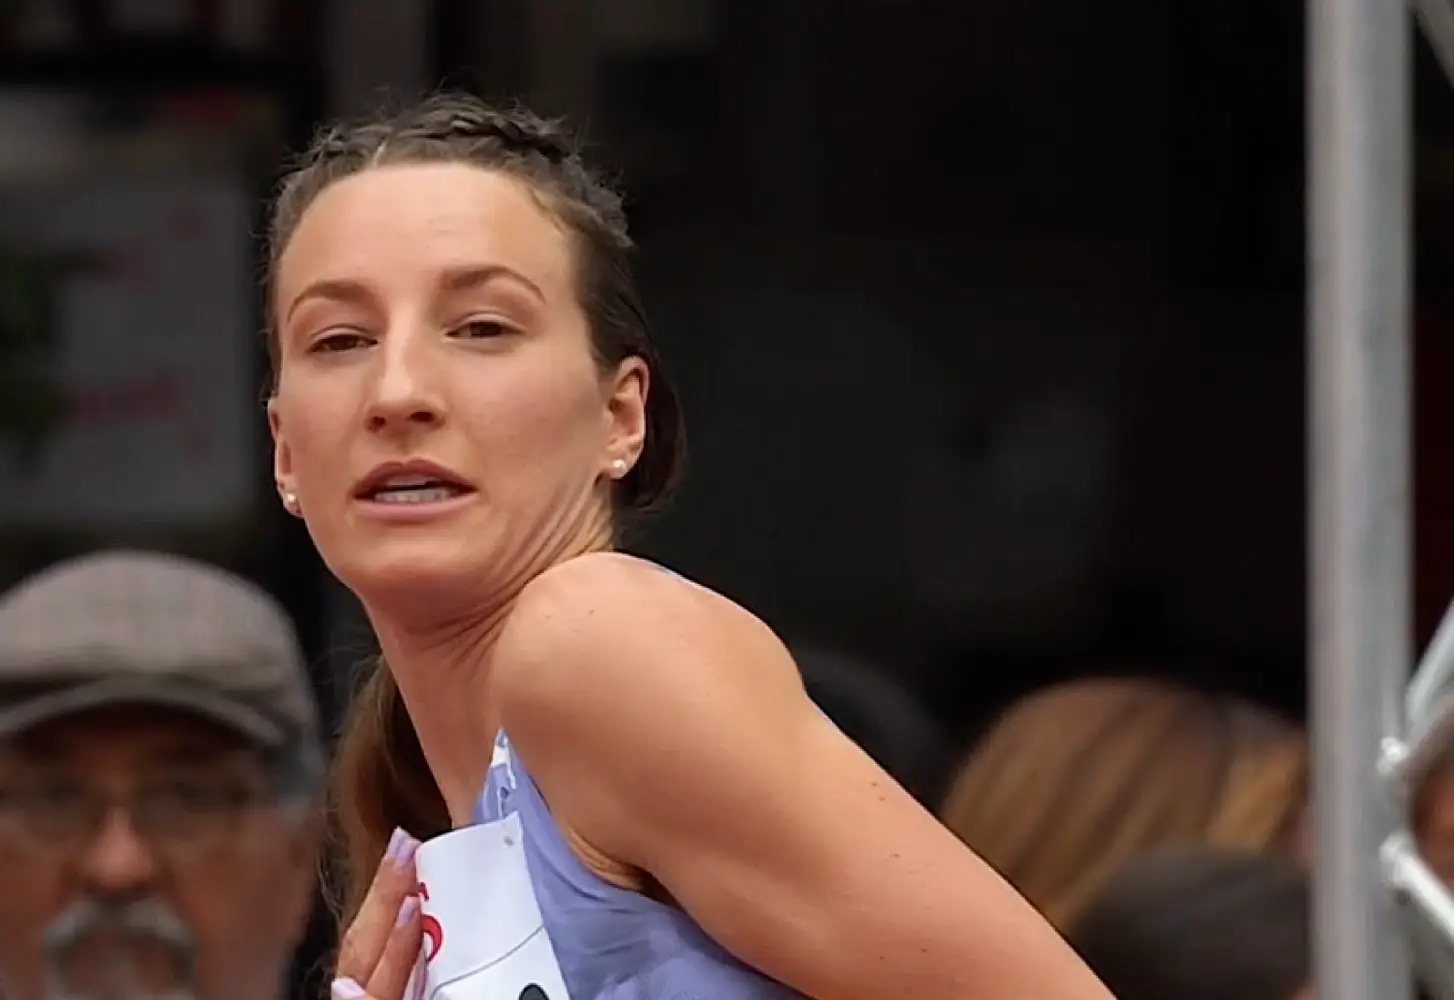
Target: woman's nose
pixel 405 392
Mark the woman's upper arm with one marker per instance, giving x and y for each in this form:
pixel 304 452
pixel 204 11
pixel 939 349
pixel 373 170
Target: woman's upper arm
pixel 706 765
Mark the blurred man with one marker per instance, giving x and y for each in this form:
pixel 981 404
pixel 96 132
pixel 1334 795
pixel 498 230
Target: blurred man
pixel 159 785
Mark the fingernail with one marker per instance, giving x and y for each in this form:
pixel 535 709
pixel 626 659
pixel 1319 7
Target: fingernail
pixel 346 989
pixel 407 910
pixel 417 977
pixel 401 849
pixel 405 856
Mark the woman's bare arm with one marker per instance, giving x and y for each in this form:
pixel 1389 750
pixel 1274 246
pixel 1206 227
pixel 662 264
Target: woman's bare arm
pixel 669 730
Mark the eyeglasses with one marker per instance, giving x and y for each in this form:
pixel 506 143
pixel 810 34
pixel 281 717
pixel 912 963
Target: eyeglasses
pixel 175 815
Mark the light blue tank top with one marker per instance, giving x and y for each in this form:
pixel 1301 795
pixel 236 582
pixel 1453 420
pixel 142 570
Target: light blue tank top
pixel 611 943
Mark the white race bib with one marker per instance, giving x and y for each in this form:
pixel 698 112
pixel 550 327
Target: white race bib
pixel 484 938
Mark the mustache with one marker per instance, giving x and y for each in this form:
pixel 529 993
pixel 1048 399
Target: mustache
pixel 141 918
pixel 147 922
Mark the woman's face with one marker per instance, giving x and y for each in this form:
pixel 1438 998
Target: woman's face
pixel 428 319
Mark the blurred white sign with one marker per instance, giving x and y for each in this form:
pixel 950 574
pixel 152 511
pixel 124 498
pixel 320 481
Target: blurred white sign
pixel 146 349
pixel 485 938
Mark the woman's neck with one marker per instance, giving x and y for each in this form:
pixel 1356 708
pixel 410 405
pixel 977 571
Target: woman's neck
pixel 442 666
pixel 443 677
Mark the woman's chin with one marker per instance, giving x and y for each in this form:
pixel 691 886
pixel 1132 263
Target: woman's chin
pixel 410 579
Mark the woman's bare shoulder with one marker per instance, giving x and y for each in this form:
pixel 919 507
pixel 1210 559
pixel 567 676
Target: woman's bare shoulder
pixel 589 628
pixel 612 596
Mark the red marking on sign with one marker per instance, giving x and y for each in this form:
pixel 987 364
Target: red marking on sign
pixel 430 927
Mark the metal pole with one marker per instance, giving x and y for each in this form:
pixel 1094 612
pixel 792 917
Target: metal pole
pixel 1431 681
pixel 1358 181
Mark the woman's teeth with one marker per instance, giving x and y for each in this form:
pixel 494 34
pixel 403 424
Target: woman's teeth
pixel 416 494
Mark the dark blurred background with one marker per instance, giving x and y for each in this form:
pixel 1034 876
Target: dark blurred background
pixel 988 317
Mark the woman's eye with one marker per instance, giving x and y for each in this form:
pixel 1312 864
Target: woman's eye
pixel 480 329
pixel 334 342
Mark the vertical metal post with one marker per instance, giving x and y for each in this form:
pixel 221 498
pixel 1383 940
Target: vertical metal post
pixel 1359 413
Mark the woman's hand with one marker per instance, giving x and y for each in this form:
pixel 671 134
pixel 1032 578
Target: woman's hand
pixel 381 948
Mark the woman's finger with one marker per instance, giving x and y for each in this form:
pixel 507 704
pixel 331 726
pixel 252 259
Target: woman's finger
pixel 345 988
pixel 414 989
pixel 364 942
pixel 401 953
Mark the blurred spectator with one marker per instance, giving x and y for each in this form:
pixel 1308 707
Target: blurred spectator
pixel 1200 924
pixel 1433 814
pixel 879 715
pixel 1431 780
pixel 159 782
pixel 1074 780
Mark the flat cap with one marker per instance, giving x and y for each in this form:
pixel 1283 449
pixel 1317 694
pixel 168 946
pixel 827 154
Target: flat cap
pixel 126 627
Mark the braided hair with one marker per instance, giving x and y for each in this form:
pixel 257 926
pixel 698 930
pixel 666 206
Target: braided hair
pixel 452 128
pixel 380 778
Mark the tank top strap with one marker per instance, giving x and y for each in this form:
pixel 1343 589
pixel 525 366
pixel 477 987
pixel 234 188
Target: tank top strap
pixel 509 788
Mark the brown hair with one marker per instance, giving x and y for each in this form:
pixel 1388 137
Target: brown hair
pixel 1200 924
pixel 1075 779
pixel 380 778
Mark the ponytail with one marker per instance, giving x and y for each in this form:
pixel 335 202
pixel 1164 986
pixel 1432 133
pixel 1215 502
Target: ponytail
pixel 379 781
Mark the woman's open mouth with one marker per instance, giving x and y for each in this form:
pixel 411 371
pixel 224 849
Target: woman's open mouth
pixel 414 489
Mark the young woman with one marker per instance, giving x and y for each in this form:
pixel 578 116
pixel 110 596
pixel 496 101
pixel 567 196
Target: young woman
pixel 1075 779
pixel 644 803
